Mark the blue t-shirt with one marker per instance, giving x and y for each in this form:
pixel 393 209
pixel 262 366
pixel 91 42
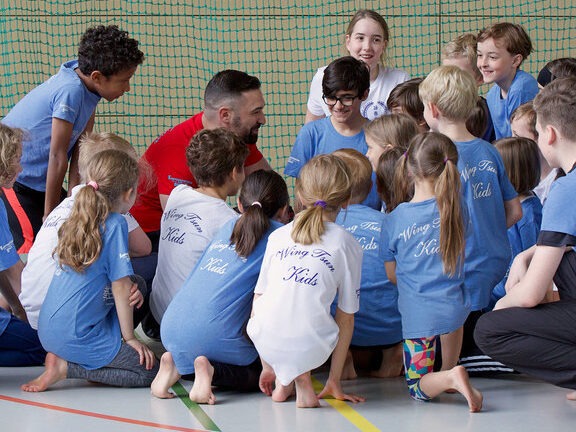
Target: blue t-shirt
pixel 522 235
pixel 78 320
pixel 377 322
pixel 559 212
pixel 320 137
pixel 209 314
pixel 523 89
pixel 485 187
pixel 63 96
pixel 8 257
pixel 431 303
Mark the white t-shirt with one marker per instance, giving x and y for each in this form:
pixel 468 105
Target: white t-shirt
pixel 40 266
pixel 374 106
pixel 292 328
pixel 543 188
pixel 189 223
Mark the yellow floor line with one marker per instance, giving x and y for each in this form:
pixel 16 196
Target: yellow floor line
pixel 346 410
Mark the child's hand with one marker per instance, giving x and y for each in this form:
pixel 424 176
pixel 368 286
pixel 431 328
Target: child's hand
pixel 334 389
pixel 147 357
pixel 136 298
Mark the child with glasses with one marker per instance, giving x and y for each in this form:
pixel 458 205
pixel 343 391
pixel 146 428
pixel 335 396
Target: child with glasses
pixel 345 85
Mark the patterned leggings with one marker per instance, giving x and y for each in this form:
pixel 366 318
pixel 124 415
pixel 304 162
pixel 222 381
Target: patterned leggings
pixel 419 355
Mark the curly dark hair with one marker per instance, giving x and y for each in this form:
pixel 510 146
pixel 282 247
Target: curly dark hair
pixel 109 50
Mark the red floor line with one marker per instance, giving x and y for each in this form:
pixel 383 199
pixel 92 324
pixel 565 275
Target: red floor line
pixel 97 415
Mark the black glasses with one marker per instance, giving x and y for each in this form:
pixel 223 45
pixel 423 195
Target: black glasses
pixel 345 100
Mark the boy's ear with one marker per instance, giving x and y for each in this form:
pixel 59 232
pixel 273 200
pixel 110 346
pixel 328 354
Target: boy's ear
pixel 433 109
pixel 365 95
pixel 517 60
pixel 126 196
pixel 97 76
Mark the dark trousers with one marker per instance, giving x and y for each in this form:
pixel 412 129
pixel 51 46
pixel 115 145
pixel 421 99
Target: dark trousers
pixel 539 341
pixel 233 377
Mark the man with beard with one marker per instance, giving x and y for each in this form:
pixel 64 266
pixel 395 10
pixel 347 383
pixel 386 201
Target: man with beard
pixel 232 100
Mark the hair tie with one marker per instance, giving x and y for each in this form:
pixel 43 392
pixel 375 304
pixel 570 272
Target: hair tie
pixel 446 160
pixel 405 154
pixel 256 203
pixel 320 203
pixel 93 184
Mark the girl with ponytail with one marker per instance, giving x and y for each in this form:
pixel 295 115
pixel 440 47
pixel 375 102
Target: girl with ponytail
pixel 203 328
pixel 307 263
pixel 86 322
pixel 423 246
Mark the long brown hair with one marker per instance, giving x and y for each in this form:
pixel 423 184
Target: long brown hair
pixel 110 174
pixel 433 156
pixel 263 193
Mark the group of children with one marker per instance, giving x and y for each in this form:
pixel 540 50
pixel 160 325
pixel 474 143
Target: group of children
pixel 399 244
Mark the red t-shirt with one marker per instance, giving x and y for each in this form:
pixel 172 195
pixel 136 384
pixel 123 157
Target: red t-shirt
pixel 167 158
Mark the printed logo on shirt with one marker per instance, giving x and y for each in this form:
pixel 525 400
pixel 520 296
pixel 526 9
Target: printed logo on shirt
pixel 479 189
pixel 415 229
pixel 192 218
pixel 178 181
pixel 63 108
pixel 372 109
pixel 125 256
pixel 107 296
pixel 7 247
pixel 295 251
pixel 367 242
pixel 215 265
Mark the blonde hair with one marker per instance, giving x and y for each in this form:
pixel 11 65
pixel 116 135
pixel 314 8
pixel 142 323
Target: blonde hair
pixel 114 173
pixel 526 111
pixel 452 90
pixel 324 184
pixel 92 143
pixel 464 46
pixel 392 130
pixel 433 156
pixel 360 171
pixel 10 151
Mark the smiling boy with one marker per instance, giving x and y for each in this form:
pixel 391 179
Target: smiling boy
pixel 502 48
pixel 345 85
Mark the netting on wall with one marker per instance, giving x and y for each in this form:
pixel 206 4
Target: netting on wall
pixel 283 43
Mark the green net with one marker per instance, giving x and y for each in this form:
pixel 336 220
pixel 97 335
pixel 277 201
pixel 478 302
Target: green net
pixel 283 43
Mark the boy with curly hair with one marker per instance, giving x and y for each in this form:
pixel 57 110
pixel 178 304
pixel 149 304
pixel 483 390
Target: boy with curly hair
pixel 55 114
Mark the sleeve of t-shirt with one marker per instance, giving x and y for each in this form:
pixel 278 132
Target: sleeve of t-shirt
pixel 385 253
pixel 301 152
pixel 349 289
pixel 254 156
pixel 8 254
pixel 522 94
pixel 315 98
pixel 131 221
pixel 162 158
pixel 66 103
pixel 264 269
pixel 116 249
pixel 558 217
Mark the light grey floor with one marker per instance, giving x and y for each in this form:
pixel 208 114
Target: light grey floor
pixel 511 403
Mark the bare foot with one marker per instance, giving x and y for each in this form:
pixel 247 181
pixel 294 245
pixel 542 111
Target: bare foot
pixel 202 389
pixel 392 363
pixel 55 370
pixel 305 395
pixel 348 371
pixel 571 396
pixel 463 386
pixel 267 379
pixel 281 392
pixel 165 378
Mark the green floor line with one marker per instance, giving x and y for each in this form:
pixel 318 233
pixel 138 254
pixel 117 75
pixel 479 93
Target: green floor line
pixel 198 412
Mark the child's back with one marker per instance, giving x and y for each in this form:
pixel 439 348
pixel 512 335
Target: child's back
pixel 193 216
